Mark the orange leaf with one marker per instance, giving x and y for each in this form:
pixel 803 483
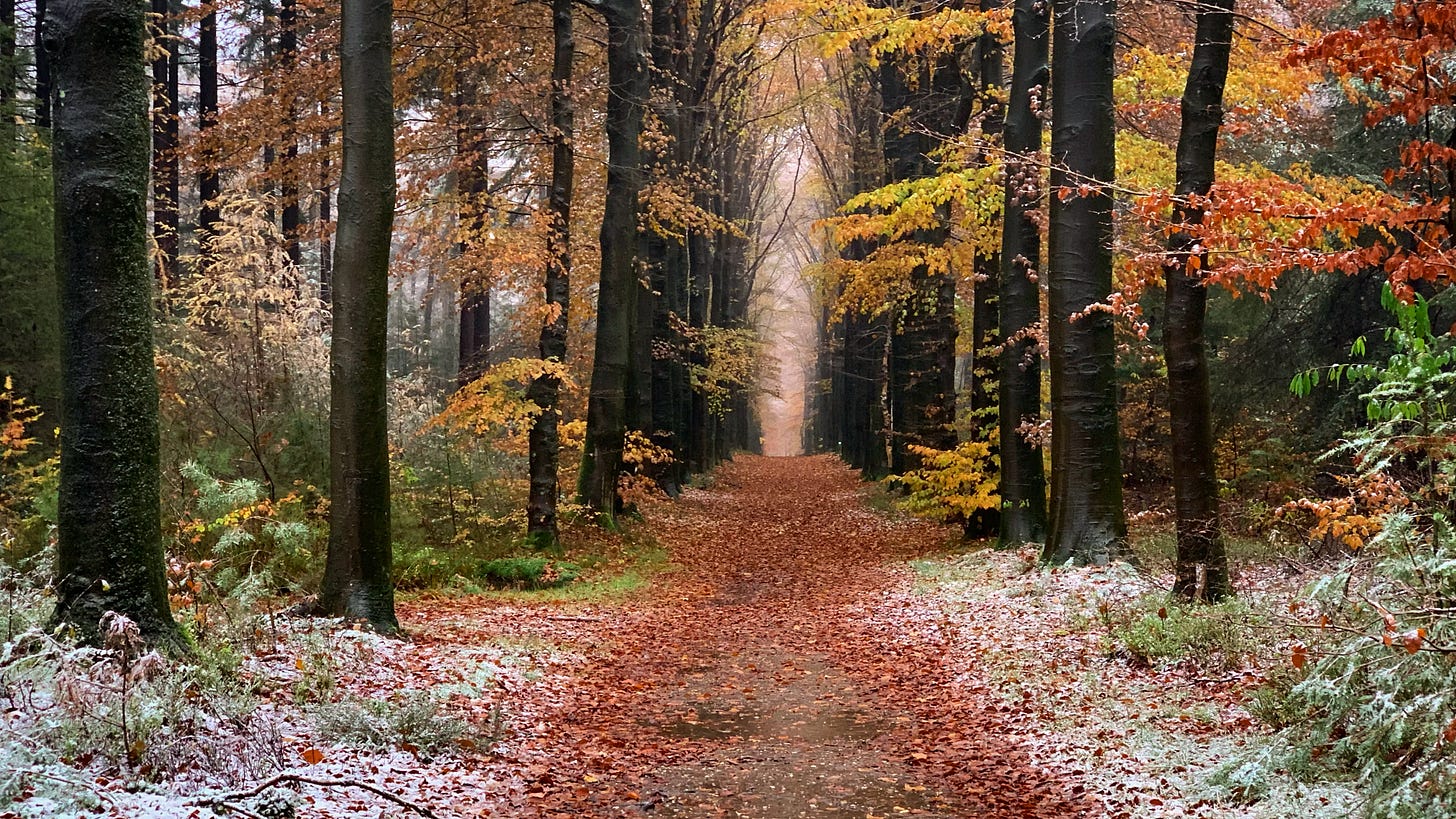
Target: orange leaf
pixel 1413 640
pixel 1299 655
pixel 313 756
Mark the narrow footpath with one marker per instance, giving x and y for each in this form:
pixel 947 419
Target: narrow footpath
pixel 783 670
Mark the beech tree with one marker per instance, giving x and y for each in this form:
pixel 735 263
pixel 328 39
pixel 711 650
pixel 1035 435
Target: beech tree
pixel 288 192
pixel 209 184
pixel 985 358
pixel 1023 477
pixel 544 392
pixel 1088 524
pixel 1201 570
pixel 357 580
pixel 473 192
pixel 606 419
pixel 109 554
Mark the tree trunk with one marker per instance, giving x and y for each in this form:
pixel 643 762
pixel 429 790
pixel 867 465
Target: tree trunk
pixel 1023 477
pixel 166 182
pixel 209 184
pixel 42 71
pixel 1201 571
pixel 544 441
pixel 474 334
pixel 357 573
pixel 627 81
pixel 666 257
pixel 986 305
pixel 1088 524
pixel 473 186
pixel 109 555
pixel 325 216
pixel 288 191
pixel 8 73
pixel 862 416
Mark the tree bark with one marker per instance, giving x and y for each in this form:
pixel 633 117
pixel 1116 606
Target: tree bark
pixel 1023 476
pixel 544 441
pixel 209 184
pixel 986 298
pixel 1201 570
pixel 42 70
pixel 166 180
pixel 357 572
pixel 325 217
pixel 292 215
pixel 666 257
pixel 627 81
pixel 474 190
pixel 1088 523
pixel 109 554
pixel 8 73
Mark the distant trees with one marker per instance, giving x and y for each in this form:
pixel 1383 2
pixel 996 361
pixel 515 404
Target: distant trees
pixel 925 102
pixel 29 316
pixel 357 580
pixel 676 332
pixel 166 178
pixel 892 345
pixel 7 75
pixel 109 551
pixel 898 253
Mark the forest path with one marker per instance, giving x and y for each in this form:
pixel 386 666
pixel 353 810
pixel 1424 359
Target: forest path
pixel 787 669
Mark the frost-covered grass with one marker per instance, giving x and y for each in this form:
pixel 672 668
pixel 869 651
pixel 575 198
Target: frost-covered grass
pixel 1149 733
pixel 118 731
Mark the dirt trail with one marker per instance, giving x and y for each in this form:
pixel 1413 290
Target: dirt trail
pixel 783 671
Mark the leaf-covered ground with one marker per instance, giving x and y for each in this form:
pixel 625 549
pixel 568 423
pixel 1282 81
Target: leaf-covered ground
pixel 778 672
pixel 805 656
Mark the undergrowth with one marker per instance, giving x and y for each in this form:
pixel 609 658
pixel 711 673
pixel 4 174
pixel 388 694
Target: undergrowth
pixel 1157 631
pixel 413 722
pixel 1371 691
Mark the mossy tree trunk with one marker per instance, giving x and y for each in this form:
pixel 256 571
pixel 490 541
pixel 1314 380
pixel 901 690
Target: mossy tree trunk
pixel 1088 524
pixel 1023 477
pixel 1201 570
pixel 109 554
pixel 545 439
pixel 357 580
pixel 627 81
